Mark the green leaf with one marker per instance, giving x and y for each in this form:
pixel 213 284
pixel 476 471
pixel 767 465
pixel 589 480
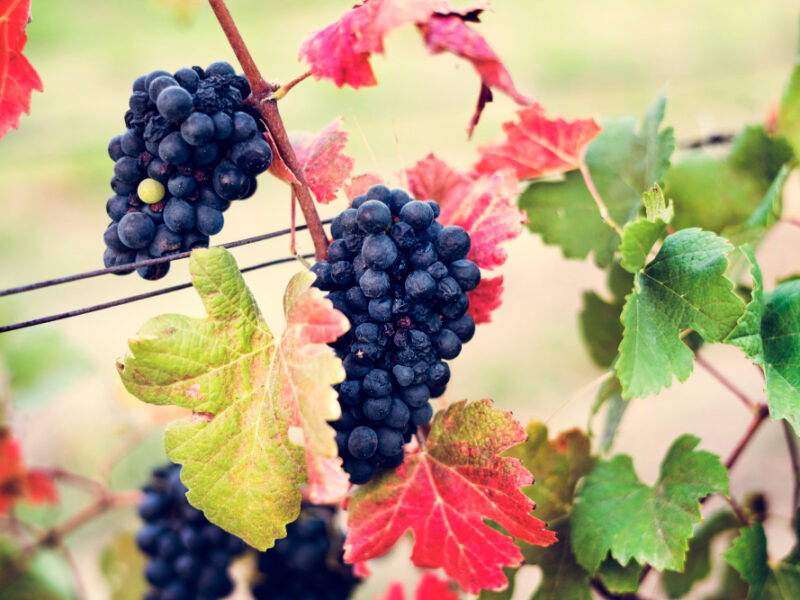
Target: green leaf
pixel 713 193
pixel 562 577
pixel 620 579
pixel 610 393
pixel 638 237
pixel 246 387
pixel 698 558
pixel 769 211
pixel 684 286
pixel 557 466
pixel 599 319
pixel 122 564
pixel 748 555
pixel 601 328
pixel 766 333
pixel 623 164
pixel 614 511
pixel 789 110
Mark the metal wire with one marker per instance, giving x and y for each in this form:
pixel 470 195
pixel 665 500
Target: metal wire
pixel 129 299
pixel 142 263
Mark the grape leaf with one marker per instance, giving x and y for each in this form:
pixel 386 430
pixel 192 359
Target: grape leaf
pixel 713 193
pixel 765 333
pixel 748 555
pixel 445 493
pixel 247 388
pixel 536 145
pixel 623 164
pixel 639 236
pixel 558 464
pixel 341 52
pixel 789 109
pixel 683 286
pixel 122 564
pixel 698 557
pixel 451 34
pixel 601 328
pixel 610 393
pixel 320 156
pixel 614 511
pixel 562 577
pixel 429 587
pixel 483 206
pixel 18 78
pixel 360 184
pixel 17 481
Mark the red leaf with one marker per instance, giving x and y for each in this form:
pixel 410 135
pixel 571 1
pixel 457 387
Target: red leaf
pixel 360 184
pixel 445 494
pixel 429 587
pixel 325 167
pixel 452 34
pixel 17 482
pixel 484 206
pixel 18 78
pixel 342 50
pixel 537 146
pixel 485 298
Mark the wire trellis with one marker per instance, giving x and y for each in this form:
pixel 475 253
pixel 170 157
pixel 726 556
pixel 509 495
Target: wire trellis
pixel 144 263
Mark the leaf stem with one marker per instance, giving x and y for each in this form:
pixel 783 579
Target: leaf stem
pixel 264 101
pixel 791 443
pixel 286 87
pixel 762 412
pixel 726 382
pixel 601 589
pixel 587 178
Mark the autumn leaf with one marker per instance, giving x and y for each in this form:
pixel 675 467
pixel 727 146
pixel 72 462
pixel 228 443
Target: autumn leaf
pixel 536 145
pixel 429 587
pixel 484 206
pixel 445 493
pixel 18 78
pixel 360 184
pixel 250 387
pixel 320 156
pixel 341 52
pixel 17 482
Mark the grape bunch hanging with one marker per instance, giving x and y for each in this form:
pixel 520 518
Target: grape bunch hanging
pixel 189 557
pixel 308 563
pixel 401 278
pixel 191 148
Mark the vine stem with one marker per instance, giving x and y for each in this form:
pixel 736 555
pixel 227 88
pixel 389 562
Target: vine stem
pixel 601 206
pixel 762 412
pixel 726 382
pixel 263 100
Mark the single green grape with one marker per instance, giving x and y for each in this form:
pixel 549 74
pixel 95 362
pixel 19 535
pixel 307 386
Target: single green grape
pixel 150 191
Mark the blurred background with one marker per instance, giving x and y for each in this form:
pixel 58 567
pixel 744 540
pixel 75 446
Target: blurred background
pixel 721 67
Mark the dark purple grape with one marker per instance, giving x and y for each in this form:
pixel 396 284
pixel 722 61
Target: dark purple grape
pixel 174 103
pixel 136 230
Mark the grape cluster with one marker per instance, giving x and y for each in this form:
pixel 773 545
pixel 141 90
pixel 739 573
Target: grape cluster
pixel 190 149
pixel 307 564
pixel 401 279
pixel 189 556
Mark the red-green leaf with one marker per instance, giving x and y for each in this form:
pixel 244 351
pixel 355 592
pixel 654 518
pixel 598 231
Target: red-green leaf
pixel 18 78
pixel 536 145
pixel 17 482
pixel 429 587
pixel 445 493
pixel 325 166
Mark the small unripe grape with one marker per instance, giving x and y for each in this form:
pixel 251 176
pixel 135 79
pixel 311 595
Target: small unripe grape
pixel 150 191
